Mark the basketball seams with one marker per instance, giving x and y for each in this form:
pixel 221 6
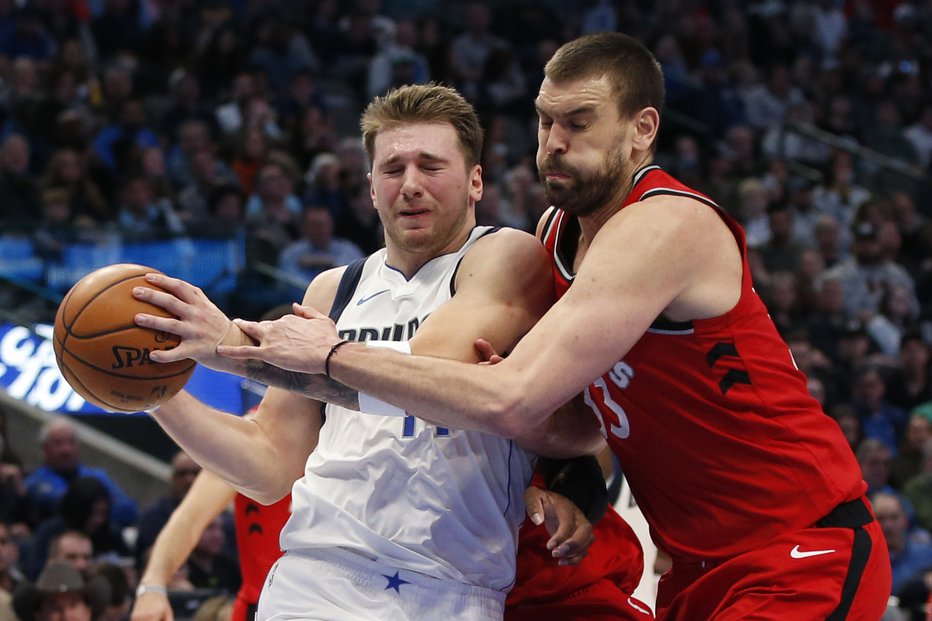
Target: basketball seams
pixel 83 350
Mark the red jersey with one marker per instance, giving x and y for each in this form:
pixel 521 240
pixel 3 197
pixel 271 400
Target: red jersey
pixel 616 555
pixel 257 532
pixel 711 420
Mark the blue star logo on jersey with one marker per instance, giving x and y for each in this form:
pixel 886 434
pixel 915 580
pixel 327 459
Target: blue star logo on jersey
pixel 394 582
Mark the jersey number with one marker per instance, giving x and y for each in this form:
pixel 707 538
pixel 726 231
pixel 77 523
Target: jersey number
pixel 622 429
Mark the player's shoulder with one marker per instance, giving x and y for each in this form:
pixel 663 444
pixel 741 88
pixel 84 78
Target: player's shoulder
pixel 504 239
pixel 322 290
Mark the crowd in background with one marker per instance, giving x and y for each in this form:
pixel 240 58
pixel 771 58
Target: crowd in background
pixel 811 122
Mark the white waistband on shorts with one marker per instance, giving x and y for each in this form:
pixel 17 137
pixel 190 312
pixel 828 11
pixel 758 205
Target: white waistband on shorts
pixel 375 574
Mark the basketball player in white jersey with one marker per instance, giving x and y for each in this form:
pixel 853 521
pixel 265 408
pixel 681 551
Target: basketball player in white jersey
pixel 393 518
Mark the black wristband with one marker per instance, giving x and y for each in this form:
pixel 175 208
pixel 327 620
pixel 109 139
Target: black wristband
pixel 580 480
pixel 330 353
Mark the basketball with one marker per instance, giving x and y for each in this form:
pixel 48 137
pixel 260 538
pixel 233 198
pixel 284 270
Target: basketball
pixel 103 354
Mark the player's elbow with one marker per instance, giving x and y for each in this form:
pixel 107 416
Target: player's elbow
pixel 269 495
pixel 507 414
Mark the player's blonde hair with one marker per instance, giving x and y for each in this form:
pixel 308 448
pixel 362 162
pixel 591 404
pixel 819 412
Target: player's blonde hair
pixel 424 103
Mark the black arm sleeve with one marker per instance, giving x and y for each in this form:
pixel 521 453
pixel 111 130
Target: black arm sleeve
pixel 581 480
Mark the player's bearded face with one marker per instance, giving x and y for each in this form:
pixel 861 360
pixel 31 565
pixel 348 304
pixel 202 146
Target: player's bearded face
pixel 584 191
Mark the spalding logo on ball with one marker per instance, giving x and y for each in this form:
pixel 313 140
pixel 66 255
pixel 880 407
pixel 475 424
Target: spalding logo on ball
pixel 103 354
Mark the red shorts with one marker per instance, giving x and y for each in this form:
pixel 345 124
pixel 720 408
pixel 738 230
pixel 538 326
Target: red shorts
pixel 838 569
pixel 600 601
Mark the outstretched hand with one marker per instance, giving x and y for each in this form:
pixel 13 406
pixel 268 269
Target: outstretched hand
pixel 200 324
pixel 298 342
pixel 570 532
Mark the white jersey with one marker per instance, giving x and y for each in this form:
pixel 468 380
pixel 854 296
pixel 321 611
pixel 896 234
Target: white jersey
pixel 442 502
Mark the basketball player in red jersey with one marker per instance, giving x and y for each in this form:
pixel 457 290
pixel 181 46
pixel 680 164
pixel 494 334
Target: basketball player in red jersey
pixel 743 479
pixel 257 532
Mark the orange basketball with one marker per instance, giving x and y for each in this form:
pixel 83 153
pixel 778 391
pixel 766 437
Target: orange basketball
pixel 103 354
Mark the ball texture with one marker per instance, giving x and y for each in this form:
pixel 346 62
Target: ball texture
pixel 103 354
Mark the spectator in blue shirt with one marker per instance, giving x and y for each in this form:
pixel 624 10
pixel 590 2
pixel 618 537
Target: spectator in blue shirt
pixel 910 548
pixel 318 249
pixel 62 465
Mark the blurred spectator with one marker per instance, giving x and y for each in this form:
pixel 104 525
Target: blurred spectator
pixel 121 590
pixel 186 106
pixel 219 51
pixel 866 276
pixel 318 249
pixel 151 521
pixel 470 50
pixel 782 302
pixel 226 213
pixel 20 203
pixel 116 143
pixel 920 135
pixel 896 314
pixel 280 50
pixel 911 383
pixel 302 93
pixel 271 216
pixel 67 170
pixel 208 566
pixel 324 185
pixel 57 228
pixel 29 37
pixel 84 507
pixel 217 608
pixel 398 63
pixel 231 113
pixel 840 195
pixel 360 223
pixel 875 459
pixel 61 464
pixel 208 173
pixel 753 212
pixel 62 592
pixel 781 251
pixel 274 194
pixel 766 105
pixel 910 548
pixel 73 547
pixel 252 152
pixel 850 425
pixel 193 137
pixel 827 235
pixel 13 495
pixel 909 462
pixel 886 136
pixel 918 488
pixel 118 29
pixel 141 217
pixel 879 418
pixel 10 575
pixel 313 135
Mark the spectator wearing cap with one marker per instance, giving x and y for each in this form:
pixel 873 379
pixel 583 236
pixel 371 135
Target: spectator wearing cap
pixel 867 275
pixel 61 592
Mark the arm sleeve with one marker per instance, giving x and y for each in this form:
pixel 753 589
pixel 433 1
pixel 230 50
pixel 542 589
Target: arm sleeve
pixel 579 479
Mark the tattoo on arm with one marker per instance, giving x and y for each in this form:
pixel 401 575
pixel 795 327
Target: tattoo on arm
pixel 314 386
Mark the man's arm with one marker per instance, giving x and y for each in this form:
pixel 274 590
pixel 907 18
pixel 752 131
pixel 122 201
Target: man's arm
pixel 260 457
pixel 206 499
pixel 685 264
